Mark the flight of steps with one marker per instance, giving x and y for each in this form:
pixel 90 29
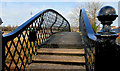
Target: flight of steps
pixel 58 59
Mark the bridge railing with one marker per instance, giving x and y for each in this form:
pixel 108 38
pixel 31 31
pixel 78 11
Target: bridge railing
pixel 21 44
pixel 101 51
pixel 88 39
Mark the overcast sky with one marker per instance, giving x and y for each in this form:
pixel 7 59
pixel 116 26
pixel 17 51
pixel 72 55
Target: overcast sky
pixel 16 12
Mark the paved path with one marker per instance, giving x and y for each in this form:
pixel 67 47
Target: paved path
pixel 68 39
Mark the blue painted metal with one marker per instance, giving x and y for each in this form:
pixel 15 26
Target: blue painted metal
pixel 88 39
pixel 106 50
pixel 28 37
pixel 106 16
pixel 107 10
pixel 15 32
pixel 89 29
pixel 101 49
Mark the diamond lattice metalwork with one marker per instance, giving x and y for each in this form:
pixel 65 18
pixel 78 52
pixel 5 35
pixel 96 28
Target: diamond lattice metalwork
pixel 21 44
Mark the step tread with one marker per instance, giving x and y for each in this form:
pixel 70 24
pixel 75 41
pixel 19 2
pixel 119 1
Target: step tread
pixel 61 51
pixel 59 58
pixel 38 66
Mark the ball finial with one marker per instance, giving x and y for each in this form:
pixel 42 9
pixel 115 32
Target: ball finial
pixel 107 13
pixel 106 16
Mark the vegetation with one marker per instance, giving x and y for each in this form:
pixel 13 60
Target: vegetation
pixel 92 9
pixel 8 28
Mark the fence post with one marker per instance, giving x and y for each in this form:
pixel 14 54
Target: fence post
pixel 106 53
pixel 0 46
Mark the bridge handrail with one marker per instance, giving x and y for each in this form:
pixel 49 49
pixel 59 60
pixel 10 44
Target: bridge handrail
pixel 15 32
pixel 100 48
pixel 21 44
pixel 89 30
pixel 88 39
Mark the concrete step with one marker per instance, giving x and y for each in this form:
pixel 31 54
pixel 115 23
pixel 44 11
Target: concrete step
pixel 61 51
pixel 59 59
pixel 61 45
pixel 53 67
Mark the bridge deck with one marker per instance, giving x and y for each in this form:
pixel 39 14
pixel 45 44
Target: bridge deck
pixel 58 54
pixel 68 39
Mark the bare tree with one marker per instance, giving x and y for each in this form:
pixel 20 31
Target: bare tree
pixel 92 9
pixel 74 16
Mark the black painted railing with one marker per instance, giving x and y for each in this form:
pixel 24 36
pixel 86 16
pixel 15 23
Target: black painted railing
pixel 88 39
pixel 21 44
pixel 101 50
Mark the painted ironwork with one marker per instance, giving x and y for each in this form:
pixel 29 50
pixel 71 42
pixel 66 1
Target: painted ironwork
pixel 88 39
pixel 21 44
pixel 107 51
pixel 101 49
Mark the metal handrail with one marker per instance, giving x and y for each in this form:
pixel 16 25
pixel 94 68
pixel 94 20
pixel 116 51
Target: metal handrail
pixel 89 30
pixel 21 44
pixel 88 39
pixel 15 32
pixel 100 48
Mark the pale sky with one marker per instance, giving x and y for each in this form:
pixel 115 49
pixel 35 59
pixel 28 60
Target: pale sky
pixel 16 12
pixel 59 0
